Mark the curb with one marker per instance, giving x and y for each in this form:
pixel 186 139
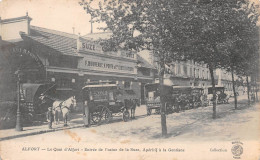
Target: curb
pixel 39 132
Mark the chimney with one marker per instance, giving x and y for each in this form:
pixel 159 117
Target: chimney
pixel 73 30
pixel 28 23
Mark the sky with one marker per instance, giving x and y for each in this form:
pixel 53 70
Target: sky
pixel 61 15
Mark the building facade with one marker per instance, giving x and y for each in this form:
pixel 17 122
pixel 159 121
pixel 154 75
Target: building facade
pixel 191 73
pixel 70 60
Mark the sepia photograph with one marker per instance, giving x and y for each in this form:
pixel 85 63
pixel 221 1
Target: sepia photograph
pixel 129 79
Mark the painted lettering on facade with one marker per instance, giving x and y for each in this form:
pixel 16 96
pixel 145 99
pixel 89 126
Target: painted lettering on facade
pixel 97 48
pixel 108 66
pixel 28 53
pixel 92 47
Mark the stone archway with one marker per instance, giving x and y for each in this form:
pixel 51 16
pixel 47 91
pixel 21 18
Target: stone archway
pixel 12 58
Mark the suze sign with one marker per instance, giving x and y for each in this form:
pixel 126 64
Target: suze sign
pixel 88 46
pixel 97 48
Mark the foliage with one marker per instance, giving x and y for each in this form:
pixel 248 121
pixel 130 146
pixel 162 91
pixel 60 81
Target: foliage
pixel 218 33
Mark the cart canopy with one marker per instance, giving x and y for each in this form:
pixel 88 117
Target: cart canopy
pixel 100 86
pixel 222 89
pixel 29 91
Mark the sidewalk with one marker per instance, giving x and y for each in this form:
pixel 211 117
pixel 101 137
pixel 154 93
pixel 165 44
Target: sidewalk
pixel 75 122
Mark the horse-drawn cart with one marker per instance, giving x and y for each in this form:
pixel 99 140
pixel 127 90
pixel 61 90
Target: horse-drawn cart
pixel 106 99
pixel 153 99
pixel 221 98
pixel 176 98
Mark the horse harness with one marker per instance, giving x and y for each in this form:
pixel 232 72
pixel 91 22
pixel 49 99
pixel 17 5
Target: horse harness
pixel 60 105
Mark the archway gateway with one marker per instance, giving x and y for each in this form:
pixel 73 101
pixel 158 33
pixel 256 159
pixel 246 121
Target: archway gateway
pixel 12 58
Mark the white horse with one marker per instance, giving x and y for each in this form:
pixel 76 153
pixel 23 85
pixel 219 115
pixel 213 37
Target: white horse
pixel 62 109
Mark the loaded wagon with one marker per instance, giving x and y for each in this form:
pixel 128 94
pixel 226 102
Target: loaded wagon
pixel 106 99
pixel 221 96
pixel 176 98
pixel 153 99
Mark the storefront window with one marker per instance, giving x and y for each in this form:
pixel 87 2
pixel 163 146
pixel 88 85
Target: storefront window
pixel 185 70
pixel 64 83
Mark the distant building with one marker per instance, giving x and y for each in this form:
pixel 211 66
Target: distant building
pixel 191 73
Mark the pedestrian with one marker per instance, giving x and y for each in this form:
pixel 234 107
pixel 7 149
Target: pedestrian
pixel 86 113
pixel 50 117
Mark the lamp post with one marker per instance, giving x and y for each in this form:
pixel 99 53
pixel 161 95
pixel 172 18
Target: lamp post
pixel 18 126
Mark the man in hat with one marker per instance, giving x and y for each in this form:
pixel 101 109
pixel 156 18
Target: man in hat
pixel 50 117
pixel 86 113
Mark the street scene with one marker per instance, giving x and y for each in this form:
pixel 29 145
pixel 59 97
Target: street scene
pixel 189 125
pixel 130 79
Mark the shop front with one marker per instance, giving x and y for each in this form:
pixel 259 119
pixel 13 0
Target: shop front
pixel 70 61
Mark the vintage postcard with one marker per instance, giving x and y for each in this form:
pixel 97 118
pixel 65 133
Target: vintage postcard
pixel 121 79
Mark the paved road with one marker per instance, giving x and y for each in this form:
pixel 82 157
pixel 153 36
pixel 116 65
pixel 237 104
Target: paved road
pixel 191 126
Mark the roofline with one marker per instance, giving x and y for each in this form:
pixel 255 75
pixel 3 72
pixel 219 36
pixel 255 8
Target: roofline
pixel 58 52
pixel 15 19
pixel 52 31
pixel 97 33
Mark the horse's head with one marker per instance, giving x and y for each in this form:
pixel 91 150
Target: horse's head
pixel 70 102
pixel 73 100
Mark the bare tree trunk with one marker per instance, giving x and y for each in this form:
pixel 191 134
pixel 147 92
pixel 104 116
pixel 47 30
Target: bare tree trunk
pixel 213 91
pixel 162 98
pixel 256 89
pixel 234 87
pixel 248 90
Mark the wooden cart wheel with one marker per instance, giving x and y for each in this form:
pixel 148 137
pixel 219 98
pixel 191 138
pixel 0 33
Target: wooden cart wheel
pixel 95 117
pixel 158 111
pixel 149 111
pixel 126 115
pixel 106 115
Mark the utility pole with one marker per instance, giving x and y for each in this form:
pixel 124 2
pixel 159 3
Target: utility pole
pixel 91 22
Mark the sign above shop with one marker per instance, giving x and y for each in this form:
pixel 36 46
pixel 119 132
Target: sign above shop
pixel 94 47
pixel 90 46
pixel 92 62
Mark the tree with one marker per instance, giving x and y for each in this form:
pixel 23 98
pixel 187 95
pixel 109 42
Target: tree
pixel 241 37
pixel 211 22
pixel 172 30
pixel 145 24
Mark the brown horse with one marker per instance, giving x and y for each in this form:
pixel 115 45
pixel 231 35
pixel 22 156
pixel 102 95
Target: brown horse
pixel 131 104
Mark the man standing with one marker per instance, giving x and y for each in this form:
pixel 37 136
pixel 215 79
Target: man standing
pixel 50 117
pixel 86 114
